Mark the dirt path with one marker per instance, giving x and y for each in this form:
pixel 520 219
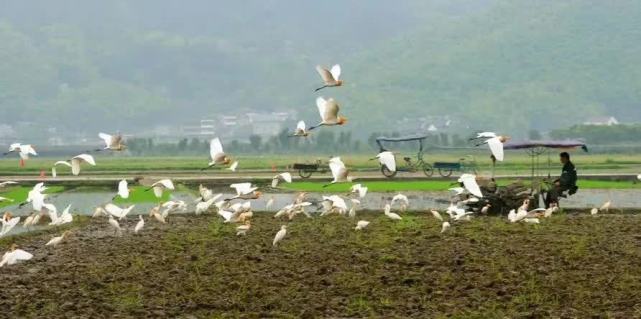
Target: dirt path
pixel 568 266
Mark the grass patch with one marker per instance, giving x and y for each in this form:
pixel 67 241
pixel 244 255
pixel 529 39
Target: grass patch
pixel 141 194
pixel 19 194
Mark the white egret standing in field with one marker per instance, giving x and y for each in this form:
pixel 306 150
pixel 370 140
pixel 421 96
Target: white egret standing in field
pixel 445 226
pixel 328 110
pixel 269 204
pixel 139 225
pixel 286 177
pixel 339 171
pixel 389 214
pixel 243 229
pixel 361 224
pixel 352 210
pixel 300 130
pixel 160 186
pixel 217 154
pixel 14 255
pixel 594 211
pixel 469 182
pixel 115 225
pixel 155 213
pixel 606 206
pixel 280 235
pixel 57 240
pixel 330 76
pixel 437 215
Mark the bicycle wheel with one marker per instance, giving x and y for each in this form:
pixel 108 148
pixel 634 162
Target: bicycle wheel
pixel 304 173
pixel 428 170
pixel 445 172
pixel 386 172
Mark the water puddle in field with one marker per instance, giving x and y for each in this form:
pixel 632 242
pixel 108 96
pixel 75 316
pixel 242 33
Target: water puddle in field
pixel 85 201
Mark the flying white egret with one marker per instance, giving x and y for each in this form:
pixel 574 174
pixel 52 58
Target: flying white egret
pixel 360 189
pixel 389 214
pixel 112 142
pixel 118 212
pixel 245 191
pixel 469 182
pixel 123 189
pixel 4 199
pixel 328 110
pixel 243 229
pixel 218 156
pixel 57 240
pixel 139 225
pixel 160 186
pixel 334 204
pixel 280 235
pixel 204 206
pixel 286 177
pixel 330 76
pixel 174 206
pixel 14 255
pixel 388 159
pixel 74 164
pixel 56 220
pixel 361 224
pixel 8 222
pixel 457 190
pixel 7 183
pixel 300 130
pixel 339 171
pixel 402 200
pixel 23 150
pixel 445 226
pixel 495 142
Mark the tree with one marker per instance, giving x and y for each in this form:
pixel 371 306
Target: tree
pixel 255 142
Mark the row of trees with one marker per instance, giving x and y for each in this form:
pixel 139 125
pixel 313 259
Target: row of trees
pixel 322 141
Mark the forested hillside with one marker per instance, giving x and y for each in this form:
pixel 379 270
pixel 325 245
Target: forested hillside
pixel 503 65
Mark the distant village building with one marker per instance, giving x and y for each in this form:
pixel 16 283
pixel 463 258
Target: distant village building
pixel 602 120
pixel 267 124
pixel 205 129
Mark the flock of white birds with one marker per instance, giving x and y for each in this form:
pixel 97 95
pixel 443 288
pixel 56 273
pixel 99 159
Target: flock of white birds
pixel 238 208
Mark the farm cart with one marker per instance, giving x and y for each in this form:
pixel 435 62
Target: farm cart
pixel 306 170
pixel 464 165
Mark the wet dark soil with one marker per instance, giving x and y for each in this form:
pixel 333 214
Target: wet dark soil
pixel 195 266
